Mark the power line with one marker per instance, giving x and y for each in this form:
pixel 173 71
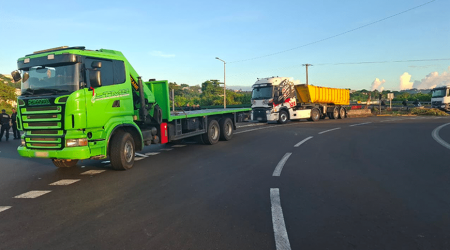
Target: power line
pixel 340 34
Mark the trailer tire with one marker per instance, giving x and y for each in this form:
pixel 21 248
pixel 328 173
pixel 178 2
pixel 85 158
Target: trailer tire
pixel 334 114
pixel 212 134
pixel 64 163
pixel 342 113
pixel 283 117
pixel 122 151
pixel 315 115
pixel 226 129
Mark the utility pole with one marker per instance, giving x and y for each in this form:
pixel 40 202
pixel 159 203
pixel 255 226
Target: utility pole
pixel 307 72
pixel 224 84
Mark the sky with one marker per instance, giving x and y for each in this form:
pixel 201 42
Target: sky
pixel 178 41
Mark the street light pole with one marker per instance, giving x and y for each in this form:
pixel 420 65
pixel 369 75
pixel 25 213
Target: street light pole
pixel 307 72
pixel 224 84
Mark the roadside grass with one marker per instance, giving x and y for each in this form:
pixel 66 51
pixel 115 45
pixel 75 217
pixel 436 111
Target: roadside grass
pixel 410 112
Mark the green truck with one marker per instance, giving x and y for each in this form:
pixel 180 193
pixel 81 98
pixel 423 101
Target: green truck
pixel 81 104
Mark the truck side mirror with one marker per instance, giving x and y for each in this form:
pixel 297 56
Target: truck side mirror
pixel 95 78
pixel 96 64
pixel 16 76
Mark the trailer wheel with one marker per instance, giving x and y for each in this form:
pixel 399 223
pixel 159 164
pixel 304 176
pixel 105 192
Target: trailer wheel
pixel 64 163
pixel 334 114
pixel 122 151
pixel 226 129
pixel 283 117
pixel 315 115
pixel 212 134
pixel 342 113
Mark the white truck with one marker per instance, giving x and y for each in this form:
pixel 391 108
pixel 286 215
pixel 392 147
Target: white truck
pixel 279 99
pixel 440 98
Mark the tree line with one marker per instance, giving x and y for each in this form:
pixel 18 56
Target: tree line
pixel 363 95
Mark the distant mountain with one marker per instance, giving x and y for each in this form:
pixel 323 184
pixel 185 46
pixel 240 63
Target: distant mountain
pixel 237 87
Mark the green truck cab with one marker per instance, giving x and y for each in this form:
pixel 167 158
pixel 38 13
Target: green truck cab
pixel 81 104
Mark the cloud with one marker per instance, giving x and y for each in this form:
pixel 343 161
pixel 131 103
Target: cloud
pixel 405 81
pixel 161 54
pixel 377 84
pixel 433 80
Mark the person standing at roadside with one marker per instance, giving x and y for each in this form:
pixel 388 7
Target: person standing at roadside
pixel 4 120
pixel 16 132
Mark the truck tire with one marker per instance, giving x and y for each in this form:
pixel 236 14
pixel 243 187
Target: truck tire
pixel 334 114
pixel 64 163
pixel 212 134
pixel 121 153
pixel 157 114
pixel 315 115
pixel 226 129
pixel 283 117
pixel 342 113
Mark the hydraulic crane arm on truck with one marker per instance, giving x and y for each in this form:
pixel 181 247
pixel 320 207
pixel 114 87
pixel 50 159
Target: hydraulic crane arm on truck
pixel 83 104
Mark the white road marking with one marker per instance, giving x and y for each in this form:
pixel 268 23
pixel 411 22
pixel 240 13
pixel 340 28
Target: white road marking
pixel 106 162
pixel 178 146
pixel 139 158
pixel 328 130
pixel 152 153
pixel 64 182
pixel 251 125
pixel 300 143
pixel 240 132
pixel 279 227
pixel 436 137
pixel 32 194
pixel 359 124
pixel 92 172
pixel 141 155
pixel 280 165
pixel 4 208
pixel 166 149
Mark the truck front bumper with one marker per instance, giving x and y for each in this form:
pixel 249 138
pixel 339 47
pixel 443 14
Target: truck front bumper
pixel 72 153
pixel 273 117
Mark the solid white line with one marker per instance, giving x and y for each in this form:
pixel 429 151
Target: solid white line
pixel 279 227
pixel 436 137
pixel 166 149
pixel 92 172
pixel 328 130
pixel 4 208
pixel 105 162
pixel 141 155
pixel 251 125
pixel 280 165
pixel 152 153
pixel 64 182
pixel 300 143
pixel 32 194
pixel 240 132
pixel 359 124
pixel 139 158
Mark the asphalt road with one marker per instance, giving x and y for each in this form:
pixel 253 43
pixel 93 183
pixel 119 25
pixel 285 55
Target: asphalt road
pixel 357 183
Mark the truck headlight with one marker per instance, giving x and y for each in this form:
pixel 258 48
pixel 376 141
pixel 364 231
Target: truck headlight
pixel 22 142
pixel 76 142
pixel 442 106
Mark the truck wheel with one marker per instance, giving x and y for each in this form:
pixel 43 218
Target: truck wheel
pixel 122 151
pixel 64 163
pixel 283 117
pixel 226 129
pixel 212 133
pixel 157 114
pixel 315 115
pixel 334 114
pixel 342 113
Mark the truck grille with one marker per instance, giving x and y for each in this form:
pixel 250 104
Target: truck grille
pixel 259 114
pixel 43 127
pixel 436 104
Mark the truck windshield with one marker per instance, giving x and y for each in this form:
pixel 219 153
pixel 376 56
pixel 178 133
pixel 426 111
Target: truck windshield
pixel 50 79
pixel 262 93
pixel 439 93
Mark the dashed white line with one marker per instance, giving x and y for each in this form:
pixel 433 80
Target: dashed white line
pixel 178 146
pixel 359 124
pixel 64 182
pixel 436 137
pixel 300 143
pixel 32 194
pixel 152 153
pixel 328 130
pixel 279 227
pixel 280 165
pixel 4 208
pixel 141 155
pixel 92 172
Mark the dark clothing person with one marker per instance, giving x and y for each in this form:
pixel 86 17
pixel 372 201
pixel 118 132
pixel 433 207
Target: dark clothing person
pixel 16 132
pixel 404 103
pixel 5 118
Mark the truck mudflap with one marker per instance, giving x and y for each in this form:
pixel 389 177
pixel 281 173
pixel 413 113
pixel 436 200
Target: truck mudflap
pixel 75 153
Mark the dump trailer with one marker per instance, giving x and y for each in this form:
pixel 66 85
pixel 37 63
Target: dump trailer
pixel 81 104
pixel 279 99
